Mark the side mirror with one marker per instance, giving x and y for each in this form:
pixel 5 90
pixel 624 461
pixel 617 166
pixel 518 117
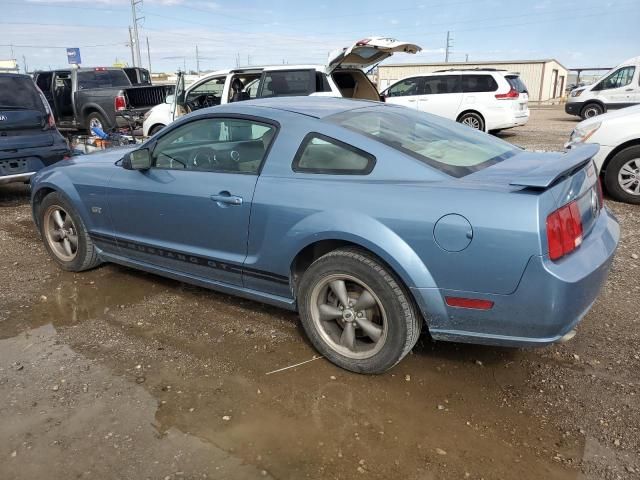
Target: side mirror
pixel 169 99
pixel 137 160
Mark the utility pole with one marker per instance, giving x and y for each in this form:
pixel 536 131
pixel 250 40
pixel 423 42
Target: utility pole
pixel 133 55
pixel 449 47
pixel 197 61
pixel 136 38
pixel 148 55
pixel 466 58
pixel 24 63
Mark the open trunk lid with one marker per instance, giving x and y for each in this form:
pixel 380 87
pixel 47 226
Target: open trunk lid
pixel 368 51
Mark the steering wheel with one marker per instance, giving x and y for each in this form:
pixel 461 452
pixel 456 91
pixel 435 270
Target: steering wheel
pixel 203 158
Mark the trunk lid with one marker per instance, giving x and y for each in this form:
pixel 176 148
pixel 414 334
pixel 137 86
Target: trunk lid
pixel 368 51
pixel 23 129
pixel 21 119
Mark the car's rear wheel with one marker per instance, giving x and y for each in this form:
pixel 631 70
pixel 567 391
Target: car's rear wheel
pixel 96 120
pixel 591 110
pixel 65 236
pixel 155 129
pixel 356 313
pixel 622 176
pixel 473 120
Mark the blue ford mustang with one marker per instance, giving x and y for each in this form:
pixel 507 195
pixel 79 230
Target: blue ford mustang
pixel 372 220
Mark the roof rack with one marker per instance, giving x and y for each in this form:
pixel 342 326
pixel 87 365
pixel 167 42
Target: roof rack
pixel 476 69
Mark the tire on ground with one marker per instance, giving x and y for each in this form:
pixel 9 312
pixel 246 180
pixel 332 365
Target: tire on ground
pixel 611 176
pixel 403 321
pixel 86 256
pixel 98 118
pixel 473 120
pixel 591 110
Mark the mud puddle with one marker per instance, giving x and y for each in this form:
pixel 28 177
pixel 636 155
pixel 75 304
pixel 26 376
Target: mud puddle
pixel 447 411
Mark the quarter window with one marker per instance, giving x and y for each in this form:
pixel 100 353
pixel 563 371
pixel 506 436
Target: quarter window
pixel 228 145
pixel 287 83
pixel 478 83
pixel 619 78
pixel 321 154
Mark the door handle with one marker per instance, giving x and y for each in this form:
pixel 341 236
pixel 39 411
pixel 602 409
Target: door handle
pixel 224 198
pixel 411 100
pixel 629 90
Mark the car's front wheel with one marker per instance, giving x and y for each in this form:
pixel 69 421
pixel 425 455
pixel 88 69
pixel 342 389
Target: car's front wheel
pixel 65 236
pixel 591 110
pixel 356 313
pixel 622 177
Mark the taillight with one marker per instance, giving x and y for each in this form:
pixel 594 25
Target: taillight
pixel 510 95
pixel 600 194
pixel 362 42
pixel 120 103
pixel 564 230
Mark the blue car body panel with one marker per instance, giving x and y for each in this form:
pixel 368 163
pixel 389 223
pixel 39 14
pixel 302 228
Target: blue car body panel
pixel 479 236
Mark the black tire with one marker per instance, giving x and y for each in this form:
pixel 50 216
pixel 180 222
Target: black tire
pixel 403 322
pixel 155 129
pixel 612 172
pixel 591 110
pixel 98 119
pixel 473 120
pixel 86 256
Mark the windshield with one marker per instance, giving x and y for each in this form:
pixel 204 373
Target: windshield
pixel 102 79
pixel 19 93
pixel 454 149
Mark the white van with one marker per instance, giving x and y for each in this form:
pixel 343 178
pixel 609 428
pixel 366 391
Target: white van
pixel 619 88
pixel 342 76
pixel 486 99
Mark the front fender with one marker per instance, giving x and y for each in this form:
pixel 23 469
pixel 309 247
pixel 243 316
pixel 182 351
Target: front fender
pixel 359 229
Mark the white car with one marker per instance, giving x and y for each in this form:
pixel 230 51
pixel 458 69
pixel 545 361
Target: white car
pixel 618 159
pixel 342 76
pixel 484 99
pixel 619 88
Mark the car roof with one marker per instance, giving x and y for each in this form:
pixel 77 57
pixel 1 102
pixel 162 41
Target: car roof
pixel 311 106
pixel 473 71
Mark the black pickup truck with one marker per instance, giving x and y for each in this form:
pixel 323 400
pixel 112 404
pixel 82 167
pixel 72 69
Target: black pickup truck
pixel 101 97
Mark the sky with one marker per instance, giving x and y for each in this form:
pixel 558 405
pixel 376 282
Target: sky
pixel 584 33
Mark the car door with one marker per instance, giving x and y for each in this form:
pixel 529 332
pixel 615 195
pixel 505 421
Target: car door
pixel 189 212
pixel 405 92
pixel 618 89
pixel 441 95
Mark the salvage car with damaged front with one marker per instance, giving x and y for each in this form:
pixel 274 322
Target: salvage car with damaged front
pixel 373 221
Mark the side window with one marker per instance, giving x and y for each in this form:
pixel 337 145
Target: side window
pixel 619 78
pixel 43 80
pixel 227 145
pixel 288 83
pixel 321 154
pixel 478 83
pixel 440 84
pixel 207 94
pixel 408 86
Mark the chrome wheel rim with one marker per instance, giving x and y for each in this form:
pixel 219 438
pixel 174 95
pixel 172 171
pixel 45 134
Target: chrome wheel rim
pixel 95 123
pixel 349 316
pixel 629 177
pixel 472 122
pixel 61 233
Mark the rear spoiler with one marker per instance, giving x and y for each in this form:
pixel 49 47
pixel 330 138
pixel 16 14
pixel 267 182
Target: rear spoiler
pixel 546 175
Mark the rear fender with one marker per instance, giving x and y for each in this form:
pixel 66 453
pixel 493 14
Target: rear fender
pixel 367 233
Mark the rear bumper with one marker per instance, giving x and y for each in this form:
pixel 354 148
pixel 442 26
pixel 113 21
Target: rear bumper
pixel 16 178
pixel 550 300
pixel 131 118
pixel 19 165
pixel 507 118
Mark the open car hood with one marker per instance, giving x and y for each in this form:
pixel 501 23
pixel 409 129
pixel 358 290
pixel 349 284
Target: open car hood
pixel 368 51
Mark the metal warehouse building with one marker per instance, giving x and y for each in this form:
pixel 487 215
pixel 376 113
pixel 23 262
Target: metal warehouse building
pixel 545 79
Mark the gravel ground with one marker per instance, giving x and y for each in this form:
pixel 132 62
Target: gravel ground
pixel 118 374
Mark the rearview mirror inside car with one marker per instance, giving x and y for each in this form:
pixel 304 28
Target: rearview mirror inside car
pixel 138 160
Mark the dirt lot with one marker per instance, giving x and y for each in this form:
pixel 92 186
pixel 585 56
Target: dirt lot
pixel 118 374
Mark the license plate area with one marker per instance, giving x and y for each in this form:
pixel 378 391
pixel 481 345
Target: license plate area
pixel 15 165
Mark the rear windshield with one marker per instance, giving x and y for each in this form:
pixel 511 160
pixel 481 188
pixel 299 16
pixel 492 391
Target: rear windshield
pixel 516 83
pixel 454 149
pixel 102 79
pixel 19 93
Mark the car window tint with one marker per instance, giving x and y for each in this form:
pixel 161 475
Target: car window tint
pixel 408 86
pixel 516 83
pixel 440 84
pixel 619 78
pixel 478 83
pixel 19 92
pixel 322 154
pixel 215 144
pixel 447 146
pixel 288 83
